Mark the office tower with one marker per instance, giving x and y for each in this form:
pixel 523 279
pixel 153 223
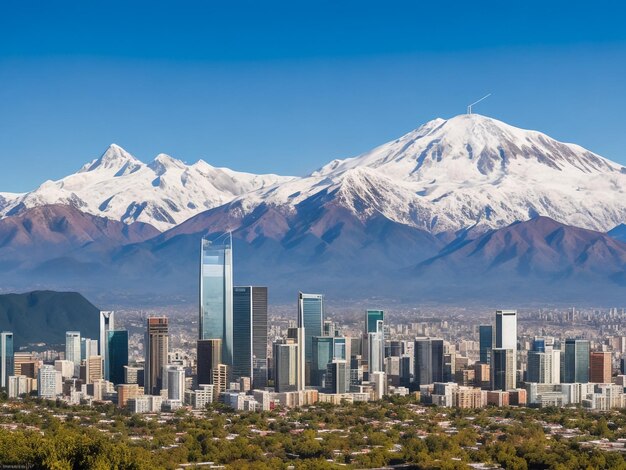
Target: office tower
pixel 322 354
pixel 250 334
pixel 337 376
pixel 19 385
pixel 6 358
pixel 485 336
pixel 544 362
pixel 209 357
pixel 47 378
pixel 73 347
pixel 216 295
pixel 372 317
pixel 376 348
pixel 118 354
pixel 175 382
pixel 622 365
pixel 107 322
pixel 94 369
pixel 600 367
pixel 65 367
pixel 88 347
pixel 503 369
pixel 156 347
pixel 396 348
pixel 428 361
pixel 505 336
pixel 311 318
pixel 286 366
pixel 575 367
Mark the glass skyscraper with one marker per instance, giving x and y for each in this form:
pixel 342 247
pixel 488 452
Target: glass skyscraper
pixel 311 318
pixel 428 361
pixel 72 347
pixel 118 355
pixel 372 317
pixel 575 368
pixel 322 351
pixel 250 334
pixel 216 295
pixel 485 337
pixel 6 358
pixel 506 335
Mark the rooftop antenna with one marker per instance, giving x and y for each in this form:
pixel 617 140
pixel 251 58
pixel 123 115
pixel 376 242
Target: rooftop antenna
pixel 469 108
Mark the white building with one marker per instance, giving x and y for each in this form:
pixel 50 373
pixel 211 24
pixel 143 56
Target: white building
pixel 19 385
pixel 49 382
pixel 72 348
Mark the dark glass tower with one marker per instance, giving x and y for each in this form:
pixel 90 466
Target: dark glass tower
pixel 311 318
pixel 250 334
pixel 6 358
pixel 575 367
pixel 209 357
pixel 485 336
pixel 118 355
pixel 428 361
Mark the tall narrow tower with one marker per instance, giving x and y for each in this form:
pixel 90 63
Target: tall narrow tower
pixel 216 295
pixel 156 347
pixel 107 323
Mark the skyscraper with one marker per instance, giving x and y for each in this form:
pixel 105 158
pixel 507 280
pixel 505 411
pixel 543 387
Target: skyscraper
pixel 376 348
pixel 250 334
pixel 485 337
pixel 107 322
pixel 503 373
pixel 337 376
pixel 428 361
pixel 156 346
pixel 372 317
pixel 322 353
pixel 118 354
pixel 600 369
pixel 311 318
pixel 209 357
pixel 216 295
pixel 175 382
pixel 88 347
pixel 6 358
pixel 505 336
pixel 72 347
pixel 575 367
pixel 285 366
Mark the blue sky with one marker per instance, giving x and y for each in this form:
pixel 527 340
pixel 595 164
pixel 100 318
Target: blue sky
pixel 286 87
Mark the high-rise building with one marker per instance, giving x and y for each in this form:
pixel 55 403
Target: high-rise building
pixel 376 348
pixel 209 357
pixel 505 336
pixel 311 318
pixel 485 341
pixel 6 358
pixel 72 347
pixel 133 375
pixel 286 366
pixel 175 382
pixel 216 295
pixel 503 373
pixel 94 369
pixel 118 354
pixel 88 347
pixel 126 392
pixel 428 361
pixel 622 365
pixel 337 376
pixel 48 381
pixel 303 369
pixel 25 364
pixel 107 323
pixel 156 347
pixel 600 370
pixel 372 317
pixel 250 334
pixel 575 367
pixel 322 353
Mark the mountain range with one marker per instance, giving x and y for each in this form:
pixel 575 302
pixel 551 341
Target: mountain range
pixel 464 208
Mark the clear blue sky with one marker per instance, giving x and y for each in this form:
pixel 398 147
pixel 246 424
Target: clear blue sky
pixel 286 87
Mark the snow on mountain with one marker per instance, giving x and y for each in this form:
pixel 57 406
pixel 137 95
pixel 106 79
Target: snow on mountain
pixel 162 193
pixel 467 171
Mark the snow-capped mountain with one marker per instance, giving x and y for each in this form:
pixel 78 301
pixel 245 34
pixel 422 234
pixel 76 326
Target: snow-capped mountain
pixel 162 193
pixel 467 171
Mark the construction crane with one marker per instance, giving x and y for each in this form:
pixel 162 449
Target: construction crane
pixel 469 108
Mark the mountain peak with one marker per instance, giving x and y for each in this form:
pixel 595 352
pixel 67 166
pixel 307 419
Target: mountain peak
pixel 115 158
pixel 164 162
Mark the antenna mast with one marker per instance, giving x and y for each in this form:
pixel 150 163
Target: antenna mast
pixel 469 107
